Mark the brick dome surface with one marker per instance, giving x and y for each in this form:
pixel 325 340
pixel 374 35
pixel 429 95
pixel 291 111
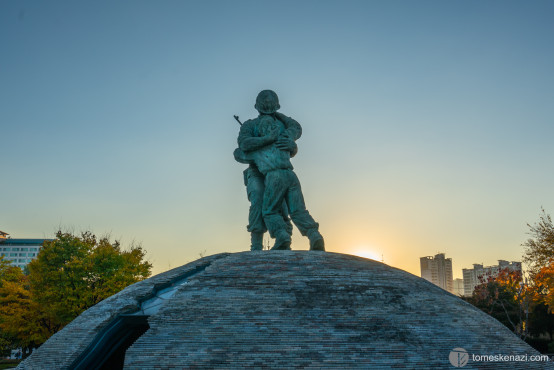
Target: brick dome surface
pixel 280 309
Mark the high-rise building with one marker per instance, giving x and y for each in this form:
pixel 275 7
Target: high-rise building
pixel 459 287
pixel 19 251
pixel 438 270
pixel 479 274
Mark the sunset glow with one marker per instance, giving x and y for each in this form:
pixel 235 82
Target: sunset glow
pixel 367 252
pixel 420 133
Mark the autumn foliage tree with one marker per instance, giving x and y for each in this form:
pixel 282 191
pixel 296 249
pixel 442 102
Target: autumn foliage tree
pixel 526 307
pixel 505 298
pixel 70 274
pixel 539 249
pixel 544 285
pixel 539 255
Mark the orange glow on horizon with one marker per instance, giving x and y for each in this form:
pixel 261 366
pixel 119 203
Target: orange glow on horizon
pixel 367 252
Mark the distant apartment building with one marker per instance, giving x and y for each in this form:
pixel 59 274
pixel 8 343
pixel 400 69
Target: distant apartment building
pixel 479 274
pixel 459 287
pixel 438 270
pixel 19 251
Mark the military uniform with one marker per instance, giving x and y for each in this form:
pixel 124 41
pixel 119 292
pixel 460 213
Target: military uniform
pixel 255 188
pixel 281 183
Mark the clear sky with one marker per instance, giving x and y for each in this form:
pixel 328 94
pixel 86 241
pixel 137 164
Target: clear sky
pixel 428 125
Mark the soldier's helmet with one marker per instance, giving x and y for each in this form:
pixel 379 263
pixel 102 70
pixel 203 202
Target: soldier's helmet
pixel 267 102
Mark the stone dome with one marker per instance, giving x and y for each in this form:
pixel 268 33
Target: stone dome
pixel 280 309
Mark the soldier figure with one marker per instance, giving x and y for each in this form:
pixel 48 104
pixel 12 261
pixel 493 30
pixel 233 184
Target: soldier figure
pixel 268 141
pixel 254 182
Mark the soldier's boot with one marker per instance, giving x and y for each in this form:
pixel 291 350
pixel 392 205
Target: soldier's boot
pixel 257 241
pixel 282 240
pixel 316 240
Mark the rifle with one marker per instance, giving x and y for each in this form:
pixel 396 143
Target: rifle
pixel 237 118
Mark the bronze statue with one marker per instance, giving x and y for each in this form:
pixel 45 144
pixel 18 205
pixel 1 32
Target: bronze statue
pixel 267 143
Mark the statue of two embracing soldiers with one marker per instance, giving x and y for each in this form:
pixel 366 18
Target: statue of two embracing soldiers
pixel 267 143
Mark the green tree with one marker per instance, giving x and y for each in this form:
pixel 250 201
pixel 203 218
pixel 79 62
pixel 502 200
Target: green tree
pixel 70 274
pixel 19 316
pixel 539 249
pixel 8 272
pixel 8 275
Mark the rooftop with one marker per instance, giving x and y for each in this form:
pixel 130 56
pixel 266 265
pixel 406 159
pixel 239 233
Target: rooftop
pixel 10 241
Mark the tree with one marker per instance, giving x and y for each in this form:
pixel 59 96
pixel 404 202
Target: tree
pixel 541 321
pixel 544 285
pixel 20 319
pixel 539 249
pixel 9 276
pixel 539 255
pixel 505 298
pixel 8 272
pixel 526 308
pixel 70 274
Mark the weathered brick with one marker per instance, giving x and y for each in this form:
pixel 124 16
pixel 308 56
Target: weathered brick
pixel 293 309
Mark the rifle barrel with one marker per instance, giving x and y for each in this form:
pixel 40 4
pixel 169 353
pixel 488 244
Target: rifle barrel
pixel 237 118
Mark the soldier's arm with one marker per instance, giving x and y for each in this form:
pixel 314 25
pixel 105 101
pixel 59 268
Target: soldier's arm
pixel 242 157
pixel 292 126
pixel 248 142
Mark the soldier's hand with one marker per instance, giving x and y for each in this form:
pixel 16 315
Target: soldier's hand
pixel 285 143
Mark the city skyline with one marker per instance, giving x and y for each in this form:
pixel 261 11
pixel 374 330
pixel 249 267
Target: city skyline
pixel 426 126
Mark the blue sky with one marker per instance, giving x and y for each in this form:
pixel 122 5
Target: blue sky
pixel 427 124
